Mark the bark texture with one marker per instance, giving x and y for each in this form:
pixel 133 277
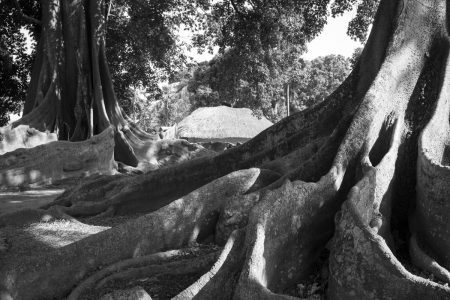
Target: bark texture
pixel 71 91
pixel 329 191
pixel 23 137
pixel 57 160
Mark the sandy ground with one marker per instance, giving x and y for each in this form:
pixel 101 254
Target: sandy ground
pixel 11 201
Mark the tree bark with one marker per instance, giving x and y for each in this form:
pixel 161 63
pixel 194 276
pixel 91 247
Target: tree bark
pixel 329 190
pixel 71 90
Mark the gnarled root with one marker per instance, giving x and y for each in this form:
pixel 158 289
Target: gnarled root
pixel 285 233
pixel 58 160
pixel 133 194
pixel 220 281
pixel 23 137
pixel 169 262
pixel 362 266
pixel 429 223
pixel 425 262
pixel 276 219
pixel 182 222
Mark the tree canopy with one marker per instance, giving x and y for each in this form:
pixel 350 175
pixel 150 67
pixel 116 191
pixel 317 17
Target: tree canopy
pixel 143 46
pixel 228 79
pixel 254 37
pixel 15 60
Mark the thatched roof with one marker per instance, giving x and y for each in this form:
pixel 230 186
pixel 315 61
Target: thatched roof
pixel 221 123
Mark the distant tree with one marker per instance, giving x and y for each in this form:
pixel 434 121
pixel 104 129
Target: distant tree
pixel 317 80
pixel 229 78
pixel 175 104
pixel 355 56
pixel 260 44
pixel 243 79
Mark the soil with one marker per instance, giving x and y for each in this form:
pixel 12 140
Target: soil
pixel 33 196
pixel 11 201
pixel 39 237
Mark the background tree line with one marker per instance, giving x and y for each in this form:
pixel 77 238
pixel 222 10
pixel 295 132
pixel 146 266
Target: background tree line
pixel 260 46
pixel 226 79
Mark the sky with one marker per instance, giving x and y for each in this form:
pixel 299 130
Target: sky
pixel 332 40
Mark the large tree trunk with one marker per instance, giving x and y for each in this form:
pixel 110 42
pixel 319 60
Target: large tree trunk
pixel 71 92
pixel 331 190
pixel 71 89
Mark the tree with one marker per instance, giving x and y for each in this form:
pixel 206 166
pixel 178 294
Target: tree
pixel 15 62
pixel 246 80
pixel 229 78
pixel 259 41
pixel 71 90
pixel 145 49
pixel 320 77
pixel 142 44
pixel 365 168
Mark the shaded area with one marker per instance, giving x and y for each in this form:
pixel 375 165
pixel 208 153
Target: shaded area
pixel 12 201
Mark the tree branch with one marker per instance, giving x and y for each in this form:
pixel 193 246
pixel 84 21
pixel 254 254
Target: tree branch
pixel 24 16
pixel 109 9
pixel 235 7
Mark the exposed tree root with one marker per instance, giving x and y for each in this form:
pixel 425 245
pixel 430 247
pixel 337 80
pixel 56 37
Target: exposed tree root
pixel 71 90
pixel 136 292
pixel 157 263
pixel 220 281
pixel 425 262
pixel 274 220
pixel 430 221
pixel 187 266
pixel 183 221
pixel 23 137
pixel 281 253
pixel 160 257
pixel 58 160
pixel 121 194
pixel 362 266
pixel 28 216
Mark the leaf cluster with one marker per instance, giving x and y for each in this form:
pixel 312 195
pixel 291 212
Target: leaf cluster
pixel 142 44
pixel 15 60
pixel 224 80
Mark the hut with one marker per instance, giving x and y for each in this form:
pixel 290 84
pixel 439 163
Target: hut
pixel 221 124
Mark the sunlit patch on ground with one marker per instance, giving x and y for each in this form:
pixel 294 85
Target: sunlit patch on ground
pixel 44 236
pixel 61 232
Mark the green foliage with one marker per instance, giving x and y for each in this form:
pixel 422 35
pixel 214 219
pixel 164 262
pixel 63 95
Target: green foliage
pixel 365 12
pixel 231 79
pixel 260 44
pixel 171 108
pixel 317 80
pixel 213 83
pixel 15 62
pixel 260 25
pixel 142 44
pixel 176 105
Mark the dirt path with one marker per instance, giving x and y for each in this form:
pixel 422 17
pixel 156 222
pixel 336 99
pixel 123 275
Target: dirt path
pixel 11 201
